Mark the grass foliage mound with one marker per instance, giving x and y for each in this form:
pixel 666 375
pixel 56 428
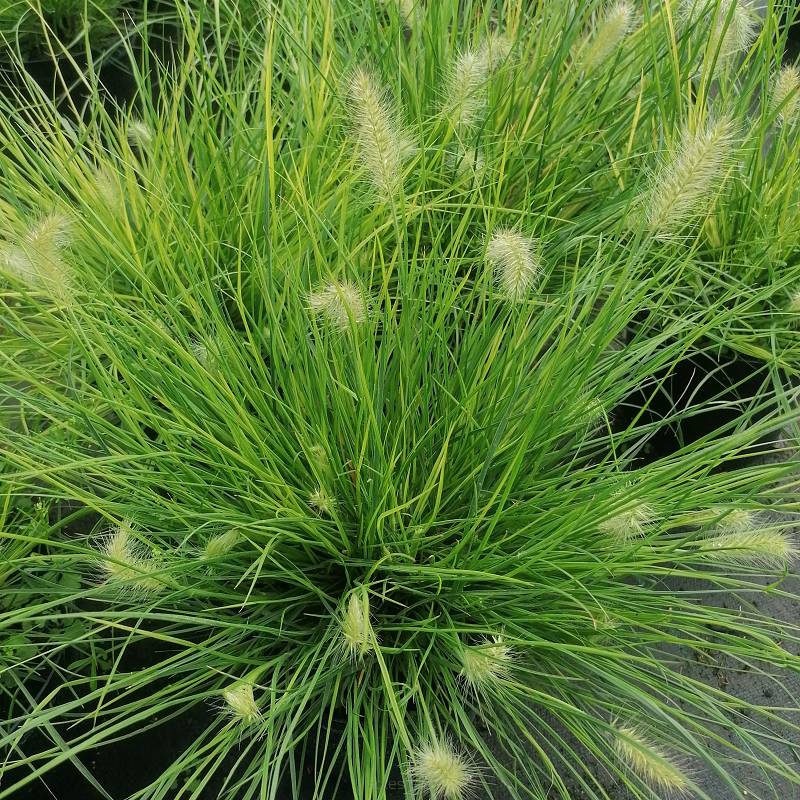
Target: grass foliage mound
pixel 322 359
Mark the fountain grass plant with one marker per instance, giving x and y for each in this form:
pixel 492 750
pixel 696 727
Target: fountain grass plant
pixel 329 340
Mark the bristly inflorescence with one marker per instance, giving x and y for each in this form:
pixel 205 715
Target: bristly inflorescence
pixel 485 663
pixel 341 303
pixel 785 96
pixel 515 261
pixel 729 28
pixel 682 188
pixel 602 42
pixel 768 548
pixel 37 258
pixel 125 564
pixel 355 625
pixel 466 91
pixel 240 703
pixel 382 144
pixel 441 770
pixel 649 760
pixel 221 544
pixel 735 29
pixel 630 522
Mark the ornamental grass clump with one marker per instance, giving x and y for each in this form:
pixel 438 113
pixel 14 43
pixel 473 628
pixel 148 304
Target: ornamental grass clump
pixel 363 455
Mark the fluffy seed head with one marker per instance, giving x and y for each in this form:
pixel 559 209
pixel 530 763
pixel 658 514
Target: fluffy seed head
pixel 785 98
pixel 108 189
pixel 591 411
pixel 735 30
pixel 241 704
pixel 772 549
pixel 648 760
pixel 122 561
pixel 221 544
pixel 683 186
pixel 381 143
pixel 607 36
pixel 322 502
pixel 629 523
pixel 442 770
pixel 410 11
pixel 318 457
pixel 486 662
pixel 733 520
pixel 139 133
pixel 38 259
pixel 356 628
pixel 340 302
pixel 515 262
pixel 469 162
pixel 465 92
pixel 200 352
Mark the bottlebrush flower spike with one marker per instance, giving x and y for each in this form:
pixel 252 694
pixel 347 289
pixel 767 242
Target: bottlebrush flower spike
pixel 356 628
pixel 109 190
pixel 410 11
pixel 123 562
pixel 629 523
pixel 240 703
pixel 484 663
pixel 515 261
pixel 322 502
pixel 785 98
pixel 341 303
pixel 140 134
pixel 318 461
pixel 683 186
pixel 735 29
pixel 728 519
pixel 381 142
pixel 468 162
pixel 38 260
pixel 465 93
pixel 221 544
pixel 443 771
pixel 648 760
pixel 771 549
pixel 607 36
